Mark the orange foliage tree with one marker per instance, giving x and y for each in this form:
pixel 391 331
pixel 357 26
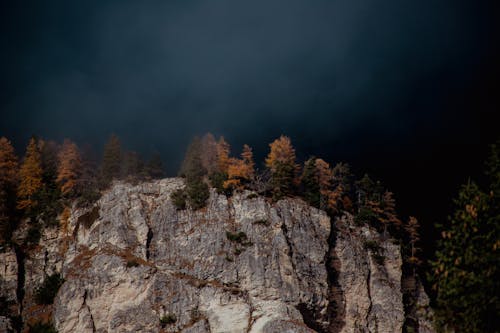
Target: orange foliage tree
pixel 30 177
pixel 240 171
pixel 69 168
pixel 223 150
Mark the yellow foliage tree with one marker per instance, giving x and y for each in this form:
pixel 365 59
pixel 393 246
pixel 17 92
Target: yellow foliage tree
pixel 281 163
pixel 30 177
pixel 69 168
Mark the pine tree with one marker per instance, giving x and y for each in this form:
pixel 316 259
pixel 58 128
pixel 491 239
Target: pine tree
pixel 69 170
pixel 466 271
pixel 310 184
pixel 281 163
pixel 192 164
pixel 111 161
pixel 9 172
pixel 341 182
pixel 30 177
pixel 89 177
pixel 155 168
pixel 192 168
pixel 133 167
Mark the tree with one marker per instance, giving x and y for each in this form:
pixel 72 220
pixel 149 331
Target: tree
pixel 209 153
pixel 9 172
pixel 192 164
pixel 240 171
pixel 111 161
pixel 411 229
pixel 223 150
pixel 192 168
pixel 69 169
pixel 154 168
pixel 341 182
pixel 310 184
pixel 49 154
pixel 466 271
pixel 30 177
pixel 132 166
pixel 89 177
pixel 388 217
pixel 281 163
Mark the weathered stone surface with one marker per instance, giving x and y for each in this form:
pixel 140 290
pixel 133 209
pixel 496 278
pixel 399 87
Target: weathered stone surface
pixel 242 264
pixel 8 275
pixel 369 291
pixel 187 265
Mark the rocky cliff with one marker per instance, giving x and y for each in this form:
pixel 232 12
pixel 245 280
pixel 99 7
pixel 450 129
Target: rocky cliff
pixel 133 263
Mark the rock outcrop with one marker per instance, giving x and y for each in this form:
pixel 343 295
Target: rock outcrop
pixel 242 264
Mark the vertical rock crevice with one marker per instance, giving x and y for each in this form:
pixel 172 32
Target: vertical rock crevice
pixel 336 301
pixel 21 277
pixel 148 242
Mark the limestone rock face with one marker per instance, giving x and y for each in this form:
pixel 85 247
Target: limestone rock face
pixel 8 275
pixel 134 263
pixel 239 265
pixel 368 294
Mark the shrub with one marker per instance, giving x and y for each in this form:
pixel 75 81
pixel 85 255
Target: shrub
pixel 371 245
pixel 217 180
pixel 252 196
pixel 46 293
pixel 262 221
pixel 34 234
pixel 198 193
pixel 179 199
pixel 239 237
pixel 365 216
pixel 379 258
pixel 40 327
pixel 168 319
pixel 132 263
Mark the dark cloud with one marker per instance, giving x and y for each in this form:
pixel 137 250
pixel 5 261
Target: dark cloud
pixel 376 83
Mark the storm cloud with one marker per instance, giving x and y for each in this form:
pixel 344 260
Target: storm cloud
pixel 357 80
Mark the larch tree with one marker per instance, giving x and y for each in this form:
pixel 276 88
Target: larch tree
pixel 69 169
pixel 281 163
pixel 30 177
pixel 341 183
pixel 240 171
pixel 9 172
pixel 223 150
pixel 389 217
pixel 412 230
pixel 209 153
pixel 219 176
pixel 111 161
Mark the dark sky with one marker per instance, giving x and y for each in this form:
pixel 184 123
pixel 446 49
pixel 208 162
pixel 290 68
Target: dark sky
pixel 404 90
